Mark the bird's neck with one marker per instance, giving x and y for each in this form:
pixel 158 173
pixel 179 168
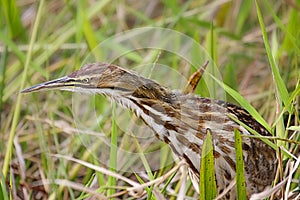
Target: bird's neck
pixel 152 91
pixel 151 110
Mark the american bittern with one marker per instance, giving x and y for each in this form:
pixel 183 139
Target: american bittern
pixel 181 120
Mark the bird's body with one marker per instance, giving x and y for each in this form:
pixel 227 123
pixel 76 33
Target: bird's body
pixel 182 120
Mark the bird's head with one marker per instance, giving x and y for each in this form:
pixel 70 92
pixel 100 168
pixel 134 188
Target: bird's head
pixel 105 79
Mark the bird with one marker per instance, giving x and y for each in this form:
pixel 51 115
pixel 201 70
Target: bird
pixel 182 121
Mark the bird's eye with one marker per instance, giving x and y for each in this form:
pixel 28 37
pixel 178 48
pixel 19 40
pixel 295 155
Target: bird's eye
pixel 86 80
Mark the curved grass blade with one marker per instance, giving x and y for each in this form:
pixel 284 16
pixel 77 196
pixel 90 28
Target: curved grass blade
pixel 234 94
pixel 282 93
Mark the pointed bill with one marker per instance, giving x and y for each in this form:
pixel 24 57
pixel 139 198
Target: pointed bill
pixel 60 83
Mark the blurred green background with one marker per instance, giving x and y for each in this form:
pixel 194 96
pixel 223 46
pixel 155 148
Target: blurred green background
pixel 43 40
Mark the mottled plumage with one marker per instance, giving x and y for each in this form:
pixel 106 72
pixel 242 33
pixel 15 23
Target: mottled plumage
pixel 181 120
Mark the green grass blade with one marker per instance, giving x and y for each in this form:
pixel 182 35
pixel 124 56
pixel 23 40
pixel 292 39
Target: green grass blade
pixel 88 30
pixel 168 182
pixel 240 178
pixel 11 13
pixel 12 46
pixel 211 47
pixel 113 159
pixel 267 141
pixel 3 63
pixel 290 29
pixel 290 101
pixel 294 128
pixel 143 159
pixel 282 93
pixel 281 90
pixel 83 194
pixel 208 188
pixel 234 94
pixel 17 110
pixel 243 15
pixel 3 190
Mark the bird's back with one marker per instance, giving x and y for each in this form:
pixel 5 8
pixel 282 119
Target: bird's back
pixel 187 119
